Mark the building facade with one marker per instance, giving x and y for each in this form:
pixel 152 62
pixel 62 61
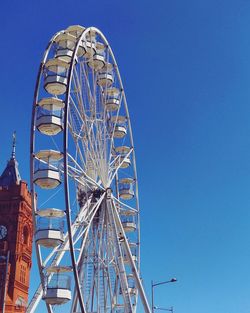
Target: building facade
pixel 16 229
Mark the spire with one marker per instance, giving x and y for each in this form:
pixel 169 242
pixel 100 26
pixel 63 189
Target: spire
pixel 13 154
pixel 10 175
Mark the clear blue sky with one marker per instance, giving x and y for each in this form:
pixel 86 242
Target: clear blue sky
pixel 186 70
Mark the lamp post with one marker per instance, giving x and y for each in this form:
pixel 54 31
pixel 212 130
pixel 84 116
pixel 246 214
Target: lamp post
pixel 173 280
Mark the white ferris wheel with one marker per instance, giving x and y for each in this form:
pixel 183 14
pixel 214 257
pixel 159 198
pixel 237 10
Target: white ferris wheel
pixel 84 181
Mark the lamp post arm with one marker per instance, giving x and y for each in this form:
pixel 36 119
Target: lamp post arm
pixel 162 283
pixel 164 309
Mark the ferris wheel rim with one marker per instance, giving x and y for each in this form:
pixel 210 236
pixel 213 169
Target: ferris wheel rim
pixel 32 141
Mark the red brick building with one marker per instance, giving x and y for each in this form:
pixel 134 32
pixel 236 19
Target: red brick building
pixel 16 229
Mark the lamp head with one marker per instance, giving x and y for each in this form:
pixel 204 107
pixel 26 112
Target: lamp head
pixel 173 280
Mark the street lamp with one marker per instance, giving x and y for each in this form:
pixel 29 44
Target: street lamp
pixel 173 280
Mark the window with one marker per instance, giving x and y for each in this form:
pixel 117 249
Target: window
pixel 25 235
pixel 22 274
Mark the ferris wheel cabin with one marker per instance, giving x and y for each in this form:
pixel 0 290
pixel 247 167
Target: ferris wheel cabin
pixel 131 284
pixel 97 62
pixel 49 125
pixel 87 47
pixel 55 81
pixel 119 126
pixel 58 285
pixel 112 102
pixel 105 77
pixel 49 120
pixel 129 226
pixel 126 258
pixel 50 228
pixel 126 189
pixel 66 44
pixel 47 175
pixel 123 160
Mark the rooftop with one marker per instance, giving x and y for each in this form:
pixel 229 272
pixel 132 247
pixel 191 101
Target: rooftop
pixel 11 175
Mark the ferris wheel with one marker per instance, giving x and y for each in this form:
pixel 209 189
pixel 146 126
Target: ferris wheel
pixel 83 180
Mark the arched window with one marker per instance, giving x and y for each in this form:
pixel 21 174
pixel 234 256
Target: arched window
pixel 25 235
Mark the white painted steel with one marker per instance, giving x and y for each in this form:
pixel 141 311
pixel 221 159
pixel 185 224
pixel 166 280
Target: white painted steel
pixel 79 68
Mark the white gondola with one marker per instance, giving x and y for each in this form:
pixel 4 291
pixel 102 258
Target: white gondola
pixel 126 194
pixel 51 104
pixel 123 160
pixel 131 285
pixel 49 125
pixel 66 44
pixel 49 155
pixel 126 191
pixel 55 84
pixel 50 120
pixel 90 44
pixel 64 55
pixel 126 258
pixel 123 150
pixel 58 289
pixel 120 129
pixel 127 212
pixel 55 81
pixel 132 245
pixel 97 62
pixel 112 102
pixel 87 47
pixel 49 238
pixel 129 226
pixel 133 249
pixel 105 77
pixel 66 41
pixel 132 291
pixel 50 227
pixel 48 177
pixel 75 30
pixel 57 296
pixel 56 66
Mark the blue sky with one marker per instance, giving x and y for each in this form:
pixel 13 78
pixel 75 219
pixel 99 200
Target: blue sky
pixel 186 71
